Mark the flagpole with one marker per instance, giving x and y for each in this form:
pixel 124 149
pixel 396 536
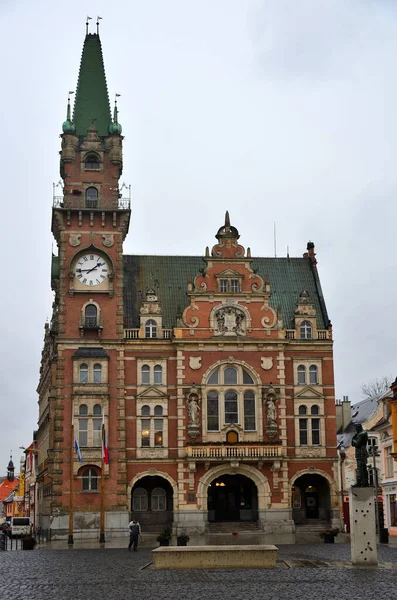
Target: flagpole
pixel 71 504
pixel 102 529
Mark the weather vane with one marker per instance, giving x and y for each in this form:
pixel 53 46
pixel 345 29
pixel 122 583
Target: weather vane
pixel 87 23
pixel 97 23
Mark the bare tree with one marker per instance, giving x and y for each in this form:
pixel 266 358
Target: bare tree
pixel 376 387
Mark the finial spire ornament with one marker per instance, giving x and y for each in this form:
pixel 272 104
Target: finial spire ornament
pixel 115 127
pixel 97 23
pixel 227 219
pixel 68 126
pixel 86 24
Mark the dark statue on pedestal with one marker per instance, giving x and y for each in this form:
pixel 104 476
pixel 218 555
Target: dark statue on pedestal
pixel 360 443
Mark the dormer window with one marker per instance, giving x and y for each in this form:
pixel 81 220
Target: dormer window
pixel 91 197
pixel 231 286
pixel 306 330
pixel 223 286
pixel 151 329
pixel 92 163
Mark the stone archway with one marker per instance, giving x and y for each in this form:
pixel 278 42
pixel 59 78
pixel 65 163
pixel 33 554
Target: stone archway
pixel 311 497
pixel 152 501
pixel 261 482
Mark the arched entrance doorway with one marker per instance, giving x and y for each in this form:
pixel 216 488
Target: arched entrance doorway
pixel 152 503
pixel 232 498
pixel 311 499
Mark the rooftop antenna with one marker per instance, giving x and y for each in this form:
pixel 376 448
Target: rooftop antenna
pixel 97 23
pixel 275 242
pixel 86 24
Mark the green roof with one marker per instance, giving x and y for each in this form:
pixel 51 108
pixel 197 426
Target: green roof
pixel 169 276
pixel 92 100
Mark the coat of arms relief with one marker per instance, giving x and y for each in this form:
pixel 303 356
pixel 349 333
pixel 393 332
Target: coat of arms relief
pixel 229 320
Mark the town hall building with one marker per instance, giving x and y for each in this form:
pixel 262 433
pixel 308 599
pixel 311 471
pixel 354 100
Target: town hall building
pixel 208 379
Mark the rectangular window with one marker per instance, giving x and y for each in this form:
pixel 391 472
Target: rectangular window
pixel 315 432
pixel 145 433
pixel 158 432
pixel 389 462
pixel 249 411
pixel 303 432
pixel 83 432
pixel 234 287
pixel 393 510
pixel 223 285
pixel 97 432
pixel 231 408
pixel 212 412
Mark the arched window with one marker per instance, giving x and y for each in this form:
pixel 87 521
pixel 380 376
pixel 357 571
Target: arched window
pixel 158 374
pixel 231 408
pixel 159 499
pixel 249 411
pixel 247 378
pixel 145 373
pixel 315 410
pixel 83 373
pixel 97 373
pixel 212 411
pixel 91 197
pixel 90 480
pixel 139 500
pixel 313 374
pixel 83 410
pixel 230 376
pixel 91 315
pixel 150 329
pixel 213 378
pixel 301 375
pixel 92 162
pixel 97 425
pixel 302 410
pixel 146 411
pixel 158 411
pixel 306 330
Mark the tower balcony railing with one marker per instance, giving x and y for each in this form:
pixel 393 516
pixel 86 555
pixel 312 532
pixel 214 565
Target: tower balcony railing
pixel 123 203
pixel 133 334
pixel 240 452
pixel 322 334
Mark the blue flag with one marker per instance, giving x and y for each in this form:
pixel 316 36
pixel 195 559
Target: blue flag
pixel 77 448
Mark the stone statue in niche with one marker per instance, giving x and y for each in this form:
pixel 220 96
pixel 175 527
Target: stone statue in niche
pixel 229 320
pixel 271 410
pixel 269 400
pixel 193 409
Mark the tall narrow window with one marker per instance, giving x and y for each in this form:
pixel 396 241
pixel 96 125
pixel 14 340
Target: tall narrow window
pixel 150 329
pixel 313 374
pixel 91 197
pixel 158 374
pixel 139 500
pixel 83 426
pixel 158 411
pixel 145 432
pixel 303 432
pixel 249 411
pixel 315 432
pixel 83 373
pixel 90 480
pixel 212 411
pixel 231 408
pixel 91 316
pixel 306 330
pixel 97 425
pixel 97 373
pixel 146 411
pixel 223 286
pixel 158 432
pixel 234 287
pixel 145 374
pixel 301 375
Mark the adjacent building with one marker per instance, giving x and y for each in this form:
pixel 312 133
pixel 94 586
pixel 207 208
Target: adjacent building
pixel 210 375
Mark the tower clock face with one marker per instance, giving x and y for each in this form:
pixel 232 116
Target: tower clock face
pixel 91 269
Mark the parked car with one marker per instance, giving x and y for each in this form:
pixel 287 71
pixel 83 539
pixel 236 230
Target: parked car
pixel 6 528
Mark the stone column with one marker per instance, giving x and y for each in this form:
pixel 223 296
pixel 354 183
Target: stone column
pixel 363 526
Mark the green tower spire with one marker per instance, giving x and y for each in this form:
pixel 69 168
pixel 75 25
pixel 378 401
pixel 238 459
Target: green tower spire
pixel 92 106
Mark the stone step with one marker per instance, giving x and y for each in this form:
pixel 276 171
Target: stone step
pixel 232 526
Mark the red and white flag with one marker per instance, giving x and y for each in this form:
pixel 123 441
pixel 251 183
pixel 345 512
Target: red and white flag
pixel 105 449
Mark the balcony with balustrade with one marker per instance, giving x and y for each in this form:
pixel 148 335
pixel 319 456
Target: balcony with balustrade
pixel 237 452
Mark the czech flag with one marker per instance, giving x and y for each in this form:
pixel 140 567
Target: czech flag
pixel 105 449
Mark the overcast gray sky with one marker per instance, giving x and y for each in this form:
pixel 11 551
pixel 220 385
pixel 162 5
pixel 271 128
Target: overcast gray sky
pixel 277 110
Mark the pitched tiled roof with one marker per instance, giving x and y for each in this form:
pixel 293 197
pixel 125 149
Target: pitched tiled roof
pixel 90 353
pixel 169 276
pixel 7 487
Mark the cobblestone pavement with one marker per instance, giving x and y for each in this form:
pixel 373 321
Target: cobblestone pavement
pixel 116 574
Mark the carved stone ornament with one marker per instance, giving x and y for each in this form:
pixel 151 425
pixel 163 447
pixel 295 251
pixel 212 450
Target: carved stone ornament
pixel 193 409
pixel 195 362
pixel 75 239
pixel 266 363
pixel 229 320
pixel 108 239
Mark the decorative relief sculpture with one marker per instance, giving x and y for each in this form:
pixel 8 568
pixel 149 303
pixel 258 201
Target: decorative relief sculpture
pixel 193 409
pixel 195 362
pixel 229 320
pixel 75 239
pixel 270 400
pixel 108 239
pixel 266 363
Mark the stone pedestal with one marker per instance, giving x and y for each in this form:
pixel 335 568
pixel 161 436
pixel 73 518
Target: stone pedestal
pixel 363 526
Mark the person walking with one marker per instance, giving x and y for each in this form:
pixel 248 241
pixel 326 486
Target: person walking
pixel 135 531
